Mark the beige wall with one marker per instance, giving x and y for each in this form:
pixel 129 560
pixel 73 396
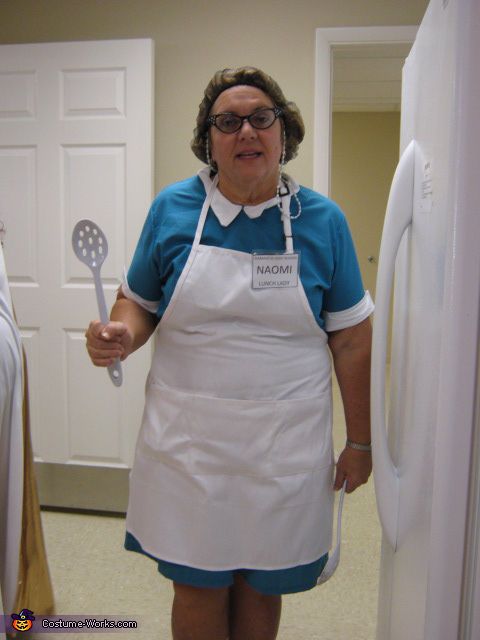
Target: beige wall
pixel 365 149
pixel 193 38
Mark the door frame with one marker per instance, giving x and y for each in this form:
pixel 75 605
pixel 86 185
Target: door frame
pixel 325 41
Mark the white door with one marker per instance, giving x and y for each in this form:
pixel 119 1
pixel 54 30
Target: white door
pixel 75 142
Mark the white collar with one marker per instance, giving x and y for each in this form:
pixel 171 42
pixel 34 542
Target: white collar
pixel 227 211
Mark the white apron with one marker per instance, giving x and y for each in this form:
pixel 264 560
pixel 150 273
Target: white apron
pixel 234 460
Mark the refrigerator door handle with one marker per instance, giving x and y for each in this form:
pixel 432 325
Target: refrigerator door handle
pixel 397 219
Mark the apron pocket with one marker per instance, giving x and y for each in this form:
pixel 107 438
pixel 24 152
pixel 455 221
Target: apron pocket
pixel 164 433
pixel 303 439
pixel 211 435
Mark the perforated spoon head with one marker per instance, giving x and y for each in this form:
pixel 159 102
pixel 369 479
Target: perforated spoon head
pixel 91 247
pixel 89 244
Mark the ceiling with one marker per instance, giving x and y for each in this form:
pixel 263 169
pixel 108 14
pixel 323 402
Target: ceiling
pixel 367 77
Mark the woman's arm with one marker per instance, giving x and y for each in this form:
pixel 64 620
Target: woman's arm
pixel 130 326
pixel 351 351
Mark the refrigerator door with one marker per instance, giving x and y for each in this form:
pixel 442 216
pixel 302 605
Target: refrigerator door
pixel 453 589
pixel 415 503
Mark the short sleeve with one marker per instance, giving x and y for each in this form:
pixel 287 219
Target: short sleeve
pixel 346 302
pixel 142 283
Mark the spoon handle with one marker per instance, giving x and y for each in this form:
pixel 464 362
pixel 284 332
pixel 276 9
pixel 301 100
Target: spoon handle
pixel 102 305
pixel 115 369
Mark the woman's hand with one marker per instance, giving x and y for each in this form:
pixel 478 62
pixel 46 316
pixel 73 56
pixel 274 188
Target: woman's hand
pixel 129 328
pixel 105 342
pixel 353 466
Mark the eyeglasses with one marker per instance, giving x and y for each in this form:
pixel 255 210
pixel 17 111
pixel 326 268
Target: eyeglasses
pixel 230 122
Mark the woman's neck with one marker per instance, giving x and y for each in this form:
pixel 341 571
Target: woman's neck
pixel 249 194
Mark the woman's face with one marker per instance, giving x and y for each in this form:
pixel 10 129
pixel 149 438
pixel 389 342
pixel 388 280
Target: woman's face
pixel 247 160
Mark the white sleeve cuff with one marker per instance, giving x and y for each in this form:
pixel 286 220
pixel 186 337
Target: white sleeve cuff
pixel 149 305
pixel 336 320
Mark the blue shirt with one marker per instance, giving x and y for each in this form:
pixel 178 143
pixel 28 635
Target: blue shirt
pixel 329 268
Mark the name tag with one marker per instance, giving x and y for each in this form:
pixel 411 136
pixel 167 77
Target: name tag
pixel 274 270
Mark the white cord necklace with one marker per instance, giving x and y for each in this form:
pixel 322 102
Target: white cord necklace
pixel 282 191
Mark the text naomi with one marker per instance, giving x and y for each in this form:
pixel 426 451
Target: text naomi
pixel 274 269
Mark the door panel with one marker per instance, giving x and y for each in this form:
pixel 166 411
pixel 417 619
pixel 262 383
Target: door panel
pixel 75 142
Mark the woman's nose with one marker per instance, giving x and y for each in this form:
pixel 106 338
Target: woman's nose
pixel 247 131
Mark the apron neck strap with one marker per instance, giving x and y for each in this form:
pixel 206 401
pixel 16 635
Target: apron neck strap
pixel 203 214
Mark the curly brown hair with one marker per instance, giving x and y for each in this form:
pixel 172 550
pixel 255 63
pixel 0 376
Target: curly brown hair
pixel 226 78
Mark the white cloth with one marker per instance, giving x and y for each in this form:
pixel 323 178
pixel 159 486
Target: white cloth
pixel 11 445
pixel 234 460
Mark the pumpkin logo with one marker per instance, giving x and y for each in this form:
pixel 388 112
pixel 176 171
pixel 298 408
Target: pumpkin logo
pixel 22 621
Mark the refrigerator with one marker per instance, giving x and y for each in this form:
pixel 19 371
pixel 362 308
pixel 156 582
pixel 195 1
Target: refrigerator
pixel 425 424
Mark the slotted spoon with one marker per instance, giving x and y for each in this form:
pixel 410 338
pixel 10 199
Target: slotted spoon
pixel 91 247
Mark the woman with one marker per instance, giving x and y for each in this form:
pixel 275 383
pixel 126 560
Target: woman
pixel 252 281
